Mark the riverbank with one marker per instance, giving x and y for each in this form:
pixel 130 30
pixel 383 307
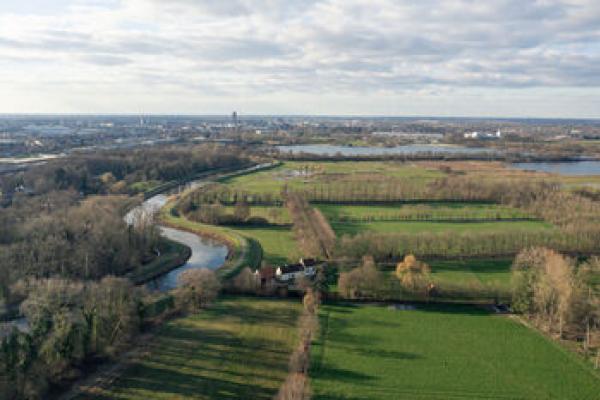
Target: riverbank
pixel 173 255
pixel 242 251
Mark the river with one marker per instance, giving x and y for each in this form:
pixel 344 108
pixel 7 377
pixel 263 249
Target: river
pixel 206 253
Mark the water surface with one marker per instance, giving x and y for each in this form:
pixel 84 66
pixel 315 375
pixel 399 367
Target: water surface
pixel 576 168
pixel 326 149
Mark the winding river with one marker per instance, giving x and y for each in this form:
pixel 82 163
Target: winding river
pixel 205 253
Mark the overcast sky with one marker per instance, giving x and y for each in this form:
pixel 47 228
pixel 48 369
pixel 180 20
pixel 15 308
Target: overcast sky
pixel 363 57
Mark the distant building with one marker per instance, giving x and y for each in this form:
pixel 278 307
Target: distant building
pixel 483 135
pixel 234 119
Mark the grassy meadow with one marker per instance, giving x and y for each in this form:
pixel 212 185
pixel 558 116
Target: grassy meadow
pixel 278 243
pixel 238 349
pixel 476 272
pixel 439 353
pixel 302 175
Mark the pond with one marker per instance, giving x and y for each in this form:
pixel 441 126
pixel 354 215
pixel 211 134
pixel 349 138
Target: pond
pixel 576 168
pixel 326 149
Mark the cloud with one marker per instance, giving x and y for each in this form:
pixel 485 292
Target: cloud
pixel 215 51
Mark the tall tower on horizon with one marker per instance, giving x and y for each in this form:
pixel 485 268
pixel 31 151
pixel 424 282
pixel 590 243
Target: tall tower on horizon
pixel 234 119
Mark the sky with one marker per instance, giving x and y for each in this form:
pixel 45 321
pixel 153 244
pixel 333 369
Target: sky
pixel 495 58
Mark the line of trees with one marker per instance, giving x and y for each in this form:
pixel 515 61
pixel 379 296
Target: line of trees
pixel 394 246
pixel 312 231
pixel 297 384
pixel 434 215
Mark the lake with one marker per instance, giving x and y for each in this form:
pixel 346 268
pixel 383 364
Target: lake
pixel 576 168
pixel 326 149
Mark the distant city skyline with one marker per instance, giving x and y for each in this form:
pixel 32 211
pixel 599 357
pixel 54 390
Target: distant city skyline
pixel 499 58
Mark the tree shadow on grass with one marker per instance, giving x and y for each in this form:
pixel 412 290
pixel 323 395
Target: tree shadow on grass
pixel 196 358
pixel 169 383
pixel 342 375
pixel 456 309
pixel 390 354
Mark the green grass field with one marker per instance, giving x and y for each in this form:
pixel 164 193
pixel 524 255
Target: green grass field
pixel 352 228
pixel 301 175
pixel 278 243
pixel 441 353
pixel 238 349
pixel 473 272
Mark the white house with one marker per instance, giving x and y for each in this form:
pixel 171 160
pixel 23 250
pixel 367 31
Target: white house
pixel 290 272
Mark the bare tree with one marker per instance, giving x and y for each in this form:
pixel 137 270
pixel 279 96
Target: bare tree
pixel 198 288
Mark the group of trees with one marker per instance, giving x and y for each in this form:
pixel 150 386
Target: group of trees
pixel 362 282
pixel 84 240
pixel 412 280
pixel 313 232
pixel 557 294
pixel 197 289
pixel 118 170
pixel 297 385
pixel 70 321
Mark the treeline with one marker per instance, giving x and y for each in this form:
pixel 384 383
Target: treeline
pixel 558 296
pixel 297 383
pixel 312 231
pixel 434 215
pixel 395 191
pixel 228 196
pixel 393 246
pixel 61 235
pixel 124 171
